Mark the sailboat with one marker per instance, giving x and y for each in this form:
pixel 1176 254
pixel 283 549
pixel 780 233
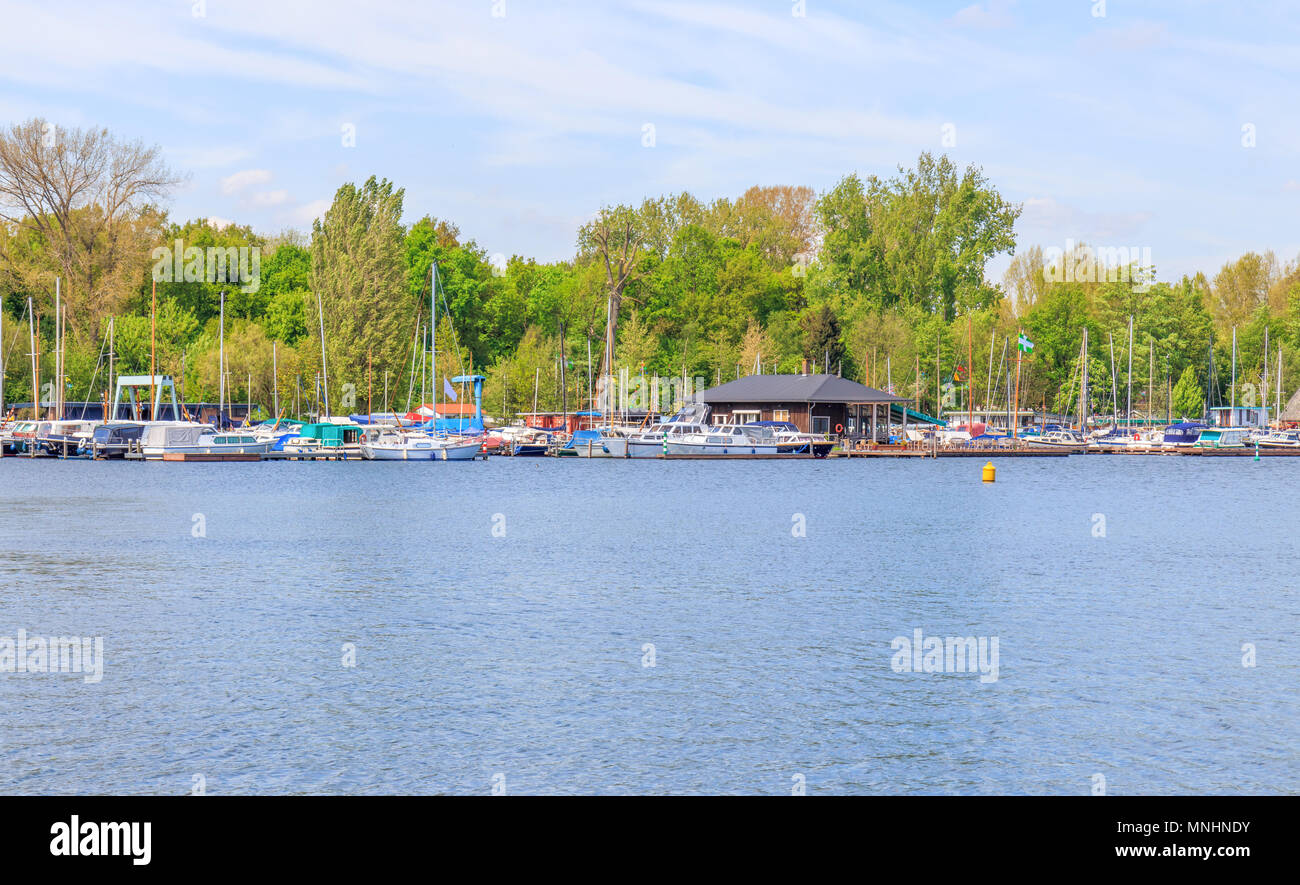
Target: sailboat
pixel 438 439
pixel 397 446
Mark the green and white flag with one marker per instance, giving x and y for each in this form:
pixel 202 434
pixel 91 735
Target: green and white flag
pixel 1026 345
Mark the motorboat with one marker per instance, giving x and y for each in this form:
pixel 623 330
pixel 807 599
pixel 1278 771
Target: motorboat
pixel 116 439
pixel 728 439
pixel 24 438
pixel 1223 438
pixel 1058 439
pixel 1184 433
pixel 233 442
pixel 164 437
pixel 652 441
pixel 190 438
pixel 66 439
pixel 790 440
pixel 531 443
pixel 1279 439
pixel 327 440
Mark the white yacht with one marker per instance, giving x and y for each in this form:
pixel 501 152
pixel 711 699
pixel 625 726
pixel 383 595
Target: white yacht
pixel 1223 438
pixel 652 442
pixel 199 439
pixel 728 439
pixel 1279 439
pixel 1058 439
pixel 66 439
pixel 790 440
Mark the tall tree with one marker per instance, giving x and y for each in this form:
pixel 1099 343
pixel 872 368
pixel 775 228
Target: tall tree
pixel 613 239
pixel 922 237
pixel 90 198
pixel 821 338
pixel 359 272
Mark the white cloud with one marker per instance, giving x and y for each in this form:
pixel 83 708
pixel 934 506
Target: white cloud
pixel 269 198
pixel 1056 222
pixel 304 215
pixel 241 181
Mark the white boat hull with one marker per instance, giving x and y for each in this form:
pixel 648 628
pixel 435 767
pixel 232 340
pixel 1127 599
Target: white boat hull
pixel 592 449
pixel 155 453
pixel 422 451
pixel 683 448
pixel 636 449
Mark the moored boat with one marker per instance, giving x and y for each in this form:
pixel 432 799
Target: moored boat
pixel 116 439
pixel 726 440
pixel 1223 438
pixel 790 440
pixel 1279 439
pixel 419 447
pixel 66 439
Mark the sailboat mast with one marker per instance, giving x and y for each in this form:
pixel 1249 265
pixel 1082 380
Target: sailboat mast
pixel 1083 394
pixel 112 343
pixel 275 382
pixel 433 338
pixel 1265 379
pixel 2 357
pixel 36 374
pixel 153 350
pixel 221 359
pixel 324 366
pixel 970 372
pixel 1114 389
pixel 988 382
pixel 58 351
pixel 1151 373
pixel 1128 403
pixel 1232 391
pixel 1015 417
pixel 1279 384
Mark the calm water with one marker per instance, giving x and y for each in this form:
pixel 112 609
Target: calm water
pixel 524 656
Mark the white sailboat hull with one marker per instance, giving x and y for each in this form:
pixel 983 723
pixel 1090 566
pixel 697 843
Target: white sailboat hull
pixel 422 450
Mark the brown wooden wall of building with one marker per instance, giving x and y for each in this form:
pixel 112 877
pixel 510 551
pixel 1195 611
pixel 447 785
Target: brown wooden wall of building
pixel 801 414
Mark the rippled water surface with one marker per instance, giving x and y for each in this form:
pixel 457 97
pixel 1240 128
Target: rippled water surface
pixel 481 658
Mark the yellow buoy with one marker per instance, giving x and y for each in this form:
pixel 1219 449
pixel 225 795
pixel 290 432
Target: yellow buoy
pixel 990 472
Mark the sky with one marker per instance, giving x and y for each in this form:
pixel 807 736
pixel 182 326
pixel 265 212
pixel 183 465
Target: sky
pixel 1171 126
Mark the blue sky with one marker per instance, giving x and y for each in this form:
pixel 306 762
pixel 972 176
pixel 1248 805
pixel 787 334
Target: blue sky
pixel 1121 129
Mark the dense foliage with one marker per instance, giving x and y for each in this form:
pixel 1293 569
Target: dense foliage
pixel 881 279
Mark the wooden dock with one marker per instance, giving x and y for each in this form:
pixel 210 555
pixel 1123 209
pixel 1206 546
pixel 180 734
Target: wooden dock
pixel 777 457
pixel 221 456
pixel 955 452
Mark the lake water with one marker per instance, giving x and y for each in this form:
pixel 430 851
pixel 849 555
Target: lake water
pixel 504 617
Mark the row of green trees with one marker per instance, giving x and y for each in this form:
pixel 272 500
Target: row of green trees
pixel 880 279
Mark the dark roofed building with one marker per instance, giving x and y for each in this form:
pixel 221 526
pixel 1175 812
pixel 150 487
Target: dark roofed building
pixel 1291 413
pixel 813 403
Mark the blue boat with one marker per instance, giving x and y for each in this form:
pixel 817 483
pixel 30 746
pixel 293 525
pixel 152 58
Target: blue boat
pixel 1185 433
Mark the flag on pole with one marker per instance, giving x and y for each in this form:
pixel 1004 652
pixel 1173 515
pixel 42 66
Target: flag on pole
pixel 1025 344
pixel 448 389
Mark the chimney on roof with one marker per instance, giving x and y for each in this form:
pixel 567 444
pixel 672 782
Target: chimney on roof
pixel 805 366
